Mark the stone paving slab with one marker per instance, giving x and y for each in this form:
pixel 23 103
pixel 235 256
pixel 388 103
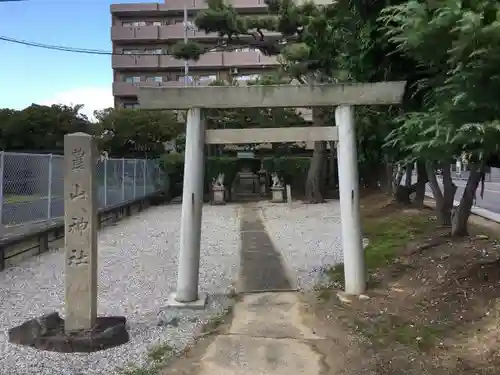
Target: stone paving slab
pixel 267 336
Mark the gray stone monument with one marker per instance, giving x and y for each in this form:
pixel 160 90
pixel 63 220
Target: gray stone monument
pixel 80 210
pixel 81 330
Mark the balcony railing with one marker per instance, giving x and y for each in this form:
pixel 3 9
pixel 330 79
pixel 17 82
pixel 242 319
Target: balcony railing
pixel 135 61
pixel 163 33
pixel 132 89
pixel 177 6
pixel 234 59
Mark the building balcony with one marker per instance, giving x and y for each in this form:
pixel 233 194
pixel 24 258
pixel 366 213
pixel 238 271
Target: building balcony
pixel 142 8
pixel 134 34
pixel 177 7
pixel 243 6
pixel 135 62
pixel 217 60
pixel 247 59
pixel 208 60
pixel 132 89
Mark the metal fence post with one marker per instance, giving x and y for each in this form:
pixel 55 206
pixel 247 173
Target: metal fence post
pixel 123 179
pixel 2 168
pixel 144 173
pixel 135 178
pixel 49 190
pixel 105 187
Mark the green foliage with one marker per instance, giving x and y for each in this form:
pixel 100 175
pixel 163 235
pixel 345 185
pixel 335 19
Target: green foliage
pixel 172 162
pixel 122 133
pixel 133 132
pixel 187 50
pixel 458 45
pixel 228 165
pixel 241 118
pixel 173 166
pixel 448 52
pixel 39 127
pixel 292 169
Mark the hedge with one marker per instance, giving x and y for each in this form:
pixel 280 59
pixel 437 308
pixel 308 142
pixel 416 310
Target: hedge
pixel 292 169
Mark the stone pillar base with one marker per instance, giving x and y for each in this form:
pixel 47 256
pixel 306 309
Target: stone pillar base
pixel 47 333
pixel 278 195
pixel 218 196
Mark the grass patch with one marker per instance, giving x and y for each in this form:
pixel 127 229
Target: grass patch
pixel 435 309
pixel 146 370
pixel 157 358
pixel 386 235
pixel 214 323
pixel 160 352
pixel 388 328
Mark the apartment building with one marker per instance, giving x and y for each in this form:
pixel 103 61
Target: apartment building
pixel 143 34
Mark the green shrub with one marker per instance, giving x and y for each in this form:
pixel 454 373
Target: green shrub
pixel 292 169
pixel 228 165
pixel 173 165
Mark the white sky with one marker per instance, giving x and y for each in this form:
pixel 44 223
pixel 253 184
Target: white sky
pixel 93 98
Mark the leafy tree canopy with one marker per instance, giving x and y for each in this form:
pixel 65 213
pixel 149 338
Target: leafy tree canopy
pixel 457 44
pixel 39 127
pixel 135 132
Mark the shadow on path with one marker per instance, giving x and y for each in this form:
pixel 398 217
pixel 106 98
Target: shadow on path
pixel 261 264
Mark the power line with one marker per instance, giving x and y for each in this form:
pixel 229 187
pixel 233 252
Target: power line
pixel 96 51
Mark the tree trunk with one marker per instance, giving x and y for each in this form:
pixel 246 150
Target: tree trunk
pixel 385 176
pixel 444 200
pixel 462 213
pixel 408 174
pixel 403 193
pixel 333 165
pixel 313 182
pixel 396 180
pixel 422 179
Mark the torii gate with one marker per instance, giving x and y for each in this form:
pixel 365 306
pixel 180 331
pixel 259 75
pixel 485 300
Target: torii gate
pixel 194 99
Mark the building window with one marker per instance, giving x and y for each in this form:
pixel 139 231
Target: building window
pixel 132 79
pixel 157 79
pixel 208 78
pixel 246 49
pixel 153 51
pixel 131 105
pixel 127 51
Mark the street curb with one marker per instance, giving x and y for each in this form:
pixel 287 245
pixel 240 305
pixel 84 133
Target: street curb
pixel 478 211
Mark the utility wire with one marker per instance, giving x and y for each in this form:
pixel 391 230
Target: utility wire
pixel 53 47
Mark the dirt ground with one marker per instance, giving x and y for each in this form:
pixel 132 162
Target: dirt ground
pixel 431 307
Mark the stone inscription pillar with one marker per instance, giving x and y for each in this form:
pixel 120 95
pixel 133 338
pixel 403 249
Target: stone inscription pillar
pixel 80 219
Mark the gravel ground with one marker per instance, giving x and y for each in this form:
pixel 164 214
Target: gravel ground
pixel 137 260
pixel 308 237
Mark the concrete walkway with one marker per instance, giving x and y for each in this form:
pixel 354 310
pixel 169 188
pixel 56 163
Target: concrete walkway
pixel 267 334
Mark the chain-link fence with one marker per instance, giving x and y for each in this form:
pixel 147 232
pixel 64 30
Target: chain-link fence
pixel 32 185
